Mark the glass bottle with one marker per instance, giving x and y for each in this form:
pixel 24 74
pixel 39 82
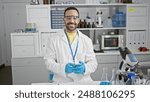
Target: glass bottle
pixel 104 78
pixel 85 24
pixel 45 1
pixel 93 25
pixel 96 46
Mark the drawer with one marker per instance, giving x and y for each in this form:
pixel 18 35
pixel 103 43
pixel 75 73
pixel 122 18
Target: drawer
pixel 107 59
pixel 143 57
pixel 23 40
pixel 32 61
pixel 137 11
pixel 137 22
pixel 24 51
pixel 140 57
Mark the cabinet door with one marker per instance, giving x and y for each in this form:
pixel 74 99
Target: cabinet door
pixel 29 74
pixel 38 14
pixel 137 17
pixel 143 57
pixel 96 76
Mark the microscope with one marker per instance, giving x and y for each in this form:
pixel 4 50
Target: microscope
pixel 128 66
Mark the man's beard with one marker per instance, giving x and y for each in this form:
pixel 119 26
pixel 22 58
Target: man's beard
pixel 71 28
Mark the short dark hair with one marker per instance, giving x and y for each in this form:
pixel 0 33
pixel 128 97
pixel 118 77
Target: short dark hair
pixel 71 8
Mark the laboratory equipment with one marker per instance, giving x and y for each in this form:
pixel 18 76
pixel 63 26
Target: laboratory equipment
pixel 113 77
pixel 30 27
pixel 119 19
pixel 51 76
pixel 104 78
pixel 111 42
pixel 128 65
pixel 34 2
pixel 96 46
pixel 99 22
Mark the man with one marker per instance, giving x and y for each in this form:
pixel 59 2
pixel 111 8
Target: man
pixel 69 54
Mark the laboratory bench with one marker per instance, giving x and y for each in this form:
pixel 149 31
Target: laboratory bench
pixel 27 70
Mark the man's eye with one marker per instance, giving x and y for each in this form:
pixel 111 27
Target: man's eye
pixel 71 17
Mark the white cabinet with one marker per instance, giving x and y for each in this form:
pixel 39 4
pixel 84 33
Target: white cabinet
pixel 39 14
pixel 143 57
pixel 137 16
pixel 135 32
pixel 26 71
pixel 137 27
pixel 24 44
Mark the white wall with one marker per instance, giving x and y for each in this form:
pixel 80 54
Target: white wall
pixel 1 34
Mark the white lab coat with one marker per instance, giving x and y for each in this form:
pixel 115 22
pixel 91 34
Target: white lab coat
pixel 58 55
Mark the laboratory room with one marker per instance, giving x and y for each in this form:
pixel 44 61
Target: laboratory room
pixel 74 42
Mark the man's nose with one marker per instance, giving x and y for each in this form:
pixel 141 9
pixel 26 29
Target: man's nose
pixel 71 19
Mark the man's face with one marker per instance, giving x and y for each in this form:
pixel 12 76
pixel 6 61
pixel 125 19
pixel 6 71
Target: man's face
pixel 71 20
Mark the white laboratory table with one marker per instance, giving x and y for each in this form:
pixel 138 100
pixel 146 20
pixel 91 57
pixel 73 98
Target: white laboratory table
pixel 69 83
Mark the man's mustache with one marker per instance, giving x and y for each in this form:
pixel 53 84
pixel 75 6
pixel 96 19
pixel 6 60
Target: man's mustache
pixel 72 23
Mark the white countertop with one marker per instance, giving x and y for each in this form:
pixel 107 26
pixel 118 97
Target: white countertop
pixel 70 83
pixel 118 53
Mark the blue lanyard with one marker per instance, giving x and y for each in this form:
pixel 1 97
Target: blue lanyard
pixel 73 55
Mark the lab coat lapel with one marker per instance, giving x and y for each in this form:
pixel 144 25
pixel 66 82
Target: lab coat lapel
pixel 64 39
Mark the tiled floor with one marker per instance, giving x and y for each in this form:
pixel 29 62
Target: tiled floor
pixel 5 76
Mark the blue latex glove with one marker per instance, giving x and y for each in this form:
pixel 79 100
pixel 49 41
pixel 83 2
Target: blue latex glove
pixel 69 68
pixel 79 68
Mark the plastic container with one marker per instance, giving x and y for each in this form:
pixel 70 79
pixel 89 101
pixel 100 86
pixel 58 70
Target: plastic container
pixel 119 19
pixel 108 22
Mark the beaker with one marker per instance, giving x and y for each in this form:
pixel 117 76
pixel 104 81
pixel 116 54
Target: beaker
pixel 104 78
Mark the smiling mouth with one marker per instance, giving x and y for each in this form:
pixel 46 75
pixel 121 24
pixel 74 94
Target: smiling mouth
pixel 71 24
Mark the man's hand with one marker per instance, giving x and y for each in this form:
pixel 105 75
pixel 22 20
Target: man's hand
pixel 69 68
pixel 79 68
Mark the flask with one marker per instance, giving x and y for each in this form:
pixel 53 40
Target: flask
pixel 113 77
pixel 104 78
